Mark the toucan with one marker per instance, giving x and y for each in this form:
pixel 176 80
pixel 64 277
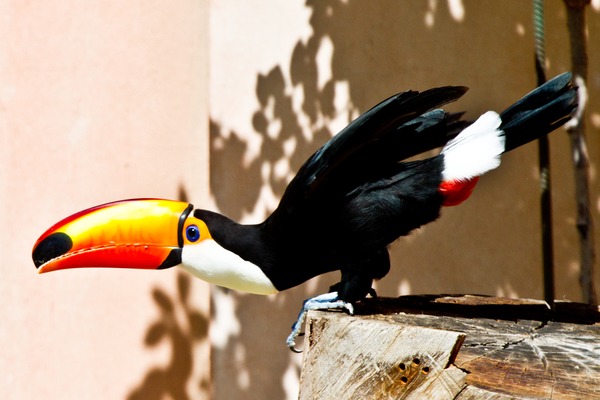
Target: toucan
pixel 352 198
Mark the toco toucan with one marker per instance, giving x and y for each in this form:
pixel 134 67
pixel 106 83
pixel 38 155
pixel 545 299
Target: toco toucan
pixel 350 200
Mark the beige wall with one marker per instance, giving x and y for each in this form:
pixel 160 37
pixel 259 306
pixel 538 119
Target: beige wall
pixel 107 100
pixel 285 76
pixel 99 100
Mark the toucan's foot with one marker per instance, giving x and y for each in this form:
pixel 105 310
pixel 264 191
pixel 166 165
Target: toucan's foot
pixel 325 301
pixel 337 287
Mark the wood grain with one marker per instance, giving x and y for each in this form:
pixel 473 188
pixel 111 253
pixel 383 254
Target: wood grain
pixel 453 347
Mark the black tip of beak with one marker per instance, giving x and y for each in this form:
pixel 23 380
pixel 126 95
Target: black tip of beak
pixel 51 247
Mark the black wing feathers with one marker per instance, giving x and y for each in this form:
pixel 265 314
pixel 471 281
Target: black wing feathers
pixel 397 128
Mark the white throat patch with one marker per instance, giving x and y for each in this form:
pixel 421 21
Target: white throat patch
pixel 212 263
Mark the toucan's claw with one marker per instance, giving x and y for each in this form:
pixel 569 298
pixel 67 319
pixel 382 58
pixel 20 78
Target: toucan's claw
pixel 292 345
pixel 294 349
pixel 325 301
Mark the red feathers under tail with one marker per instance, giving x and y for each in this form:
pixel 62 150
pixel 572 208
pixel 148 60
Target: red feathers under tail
pixel 457 191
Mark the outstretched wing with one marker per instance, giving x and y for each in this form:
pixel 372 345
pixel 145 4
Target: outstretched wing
pixel 399 127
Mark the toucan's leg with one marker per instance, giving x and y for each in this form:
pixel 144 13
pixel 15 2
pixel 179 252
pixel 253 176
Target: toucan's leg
pixel 325 301
pixel 334 288
pixel 354 286
pixel 358 276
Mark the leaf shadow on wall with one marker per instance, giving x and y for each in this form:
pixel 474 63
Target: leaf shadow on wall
pixel 254 362
pixel 377 49
pixel 171 381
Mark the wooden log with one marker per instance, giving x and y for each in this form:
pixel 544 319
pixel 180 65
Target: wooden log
pixel 453 347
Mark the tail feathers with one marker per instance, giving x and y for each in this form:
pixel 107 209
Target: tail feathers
pixel 476 150
pixel 539 112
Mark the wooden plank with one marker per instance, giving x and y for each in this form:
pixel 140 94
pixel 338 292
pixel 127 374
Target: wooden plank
pixel 502 356
pixel 351 358
pixel 553 360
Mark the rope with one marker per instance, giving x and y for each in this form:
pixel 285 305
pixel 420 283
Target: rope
pixel 544 161
pixel 540 38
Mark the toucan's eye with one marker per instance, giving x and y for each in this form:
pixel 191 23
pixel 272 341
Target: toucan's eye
pixel 192 233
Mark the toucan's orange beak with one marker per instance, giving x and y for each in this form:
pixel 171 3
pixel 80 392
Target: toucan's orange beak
pixel 139 233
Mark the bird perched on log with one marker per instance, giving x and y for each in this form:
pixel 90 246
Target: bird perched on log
pixel 350 200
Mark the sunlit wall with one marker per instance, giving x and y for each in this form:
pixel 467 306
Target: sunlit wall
pixel 285 76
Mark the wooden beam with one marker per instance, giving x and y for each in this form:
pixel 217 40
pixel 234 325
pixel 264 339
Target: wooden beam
pixel 440 347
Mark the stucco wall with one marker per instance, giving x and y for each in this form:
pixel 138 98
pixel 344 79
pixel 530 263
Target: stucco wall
pixel 99 101
pixel 107 100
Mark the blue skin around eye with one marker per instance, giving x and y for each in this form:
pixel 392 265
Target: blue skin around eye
pixel 192 233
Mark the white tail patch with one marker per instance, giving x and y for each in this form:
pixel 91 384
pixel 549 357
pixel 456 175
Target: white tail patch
pixel 476 150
